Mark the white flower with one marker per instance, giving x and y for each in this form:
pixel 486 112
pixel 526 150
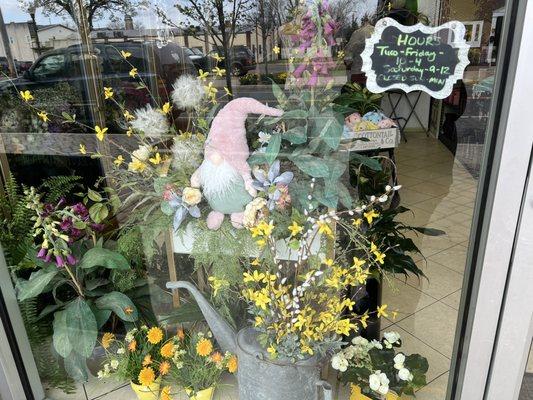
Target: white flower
pixel 121 350
pixel 392 337
pixel 187 152
pixel 374 382
pixel 405 375
pixel 359 341
pixel 114 364
pixel 188 92
pixel 376 344
pixel 339 363
pixel 399 359
pixel 142 153
pixel 264 137
pixel 251 209
pixel 191 196
pixel 151 122
pixel 383 389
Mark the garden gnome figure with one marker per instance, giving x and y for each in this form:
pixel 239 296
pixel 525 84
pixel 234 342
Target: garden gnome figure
pixel 224 174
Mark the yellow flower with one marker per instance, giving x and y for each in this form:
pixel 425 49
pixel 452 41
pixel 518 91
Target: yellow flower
pixel 165 393
pixel 340 55
pixel 380 257
pixel 217 284
pixel 255 262
pixel 133 345
pixel 295 228
pixel 266 228
pixel 154 335
pixel 119 160
pixel 107 339
pixel 227 91
pixel 202 75
pixel 125 54
pixel 261 242
pixel 44 116
pixel 370 215
pixel 381 311
pixel 217 57
pixel 210 90
pixel 164 368
pixel 83 150
pixel 155 160
pixel 219 71
pixel 363 320
pixel 134 72
pixel 204 347
pixel 255 277
pixel 258 321
pixel 26 95
pixel 357 222
pixel 394 314
pixel 108 92
pixel 166 108
pixel 255 231
pixel 100 132
pixel 272 351
pixel 357 263
pixel 324 228
pixel 276 50
pixel 129 132
pixel 167 350
pixel 344 327
pixel 232 364
pixel 191 196
pixel 147 360
pixel 136 166
pixel 261 300
pixel 128 116
pixel 146 376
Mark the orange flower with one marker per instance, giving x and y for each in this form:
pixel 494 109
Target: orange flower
pixel 107 339
pixel 165 393
pixel 232 364
pixel 147 360
pixel 146 376
pixel 164 368
pixel 204 347
pixel 155 335
pixel 128 310
pixel 167 350
pixel 180 334
pixel 216 357
pixel 133 345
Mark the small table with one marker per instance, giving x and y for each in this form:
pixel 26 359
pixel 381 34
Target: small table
pixel 412 109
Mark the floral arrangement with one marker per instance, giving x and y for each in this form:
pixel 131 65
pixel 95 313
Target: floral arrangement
pixel 377 368
pixel 143 357
pixel 197 363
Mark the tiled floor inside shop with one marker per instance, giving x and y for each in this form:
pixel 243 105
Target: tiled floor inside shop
pixel 440 192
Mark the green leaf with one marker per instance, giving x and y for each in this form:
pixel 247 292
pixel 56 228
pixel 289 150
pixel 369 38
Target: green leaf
pixel 102 316
pixel 80 225
pixel 100 257
pixel 60 338
pixel 295 114
pixel 372 163
pixel 166 208
pixel 94 195
pixel 187 312
pixel 272 149
pixel 92 284
pixel 329 129
pixel 76 367
pixel 118 303
pixel 278 93
pixel 296 135
pixel 81 327
pixel 36 284
pixel 312 166
pixel 344 195
pixel 98 212
pixel 257 158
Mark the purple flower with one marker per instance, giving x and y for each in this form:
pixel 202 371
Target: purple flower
pixel 42 253
pixel 97 227
pixel 75 233
pixel 71 259
pixel 48 257
pixel 66 224
pixel 80 210
pixel 59 261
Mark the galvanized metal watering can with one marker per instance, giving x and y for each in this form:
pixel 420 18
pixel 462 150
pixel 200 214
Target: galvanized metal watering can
pixel 260 378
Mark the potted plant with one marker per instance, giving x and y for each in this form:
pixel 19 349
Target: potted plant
pixel 197 364
pixel 375 369
pixel 143 358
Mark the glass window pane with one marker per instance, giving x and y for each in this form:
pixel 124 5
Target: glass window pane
pixel 310 167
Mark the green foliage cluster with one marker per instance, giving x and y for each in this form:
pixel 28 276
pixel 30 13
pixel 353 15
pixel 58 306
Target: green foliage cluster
pixel 254 79
pixel 355 98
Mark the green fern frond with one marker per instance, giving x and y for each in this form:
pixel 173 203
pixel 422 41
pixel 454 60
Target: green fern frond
pixel 58 186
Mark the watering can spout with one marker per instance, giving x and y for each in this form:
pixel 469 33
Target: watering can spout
pixel 223 331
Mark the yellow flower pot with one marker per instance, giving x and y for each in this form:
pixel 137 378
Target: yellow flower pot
pixel 357 395
pixel 206 394
pixel 147 392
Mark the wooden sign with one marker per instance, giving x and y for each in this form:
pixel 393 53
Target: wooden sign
pixel 419 57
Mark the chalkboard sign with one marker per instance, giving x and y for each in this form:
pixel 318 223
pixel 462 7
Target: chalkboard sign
pixel 415 57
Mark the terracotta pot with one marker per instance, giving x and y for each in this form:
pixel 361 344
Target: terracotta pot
pixel 147 392
pixel 206 394
pixel 357 395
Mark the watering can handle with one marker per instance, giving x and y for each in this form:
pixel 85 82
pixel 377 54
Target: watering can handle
pixel 326 389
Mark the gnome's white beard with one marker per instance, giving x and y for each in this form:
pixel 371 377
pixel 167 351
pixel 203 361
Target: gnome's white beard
pixel 217 179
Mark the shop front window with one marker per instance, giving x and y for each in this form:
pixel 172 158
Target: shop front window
pixel 246 199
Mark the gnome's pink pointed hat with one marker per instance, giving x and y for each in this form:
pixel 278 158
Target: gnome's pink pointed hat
pixel 228 133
